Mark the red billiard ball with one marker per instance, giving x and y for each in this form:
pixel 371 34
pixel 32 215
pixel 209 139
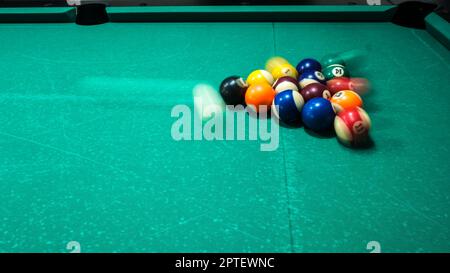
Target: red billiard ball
pixel 286 83
pixel 352 126
pixel 359 85
pixel 338 84
pixel 315 90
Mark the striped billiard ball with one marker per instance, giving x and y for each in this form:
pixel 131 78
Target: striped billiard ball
pixel 334 71
pixel 286 83
pixel 311 76
pixel 260 76
pixel 287 106
pixel 352 126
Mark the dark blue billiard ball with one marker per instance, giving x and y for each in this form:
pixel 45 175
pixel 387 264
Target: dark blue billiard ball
pixel 318 114
pixel 311 76
pixel 308 64
pixel 287 106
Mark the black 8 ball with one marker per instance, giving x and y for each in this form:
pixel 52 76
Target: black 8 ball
pixel 232 90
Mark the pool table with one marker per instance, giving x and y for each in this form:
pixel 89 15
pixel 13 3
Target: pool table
pixel 87 155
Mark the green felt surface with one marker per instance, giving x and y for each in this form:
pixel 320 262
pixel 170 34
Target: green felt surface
pixel 87 154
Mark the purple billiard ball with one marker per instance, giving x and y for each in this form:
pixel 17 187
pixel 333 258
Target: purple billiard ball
pixel 315 90
pixel 286 83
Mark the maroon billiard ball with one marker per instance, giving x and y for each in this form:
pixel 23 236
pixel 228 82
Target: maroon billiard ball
pixel 315 90
pixel 285 83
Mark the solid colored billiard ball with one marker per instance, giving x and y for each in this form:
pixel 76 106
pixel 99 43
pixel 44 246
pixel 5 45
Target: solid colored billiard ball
pixel 285 83
pixel 232 90
pixel 346 99
pixel 318 114
pixel 338 84
pixel 334 70
pixel 275 62
pixel 308 64
pixel 315 90
pixel 285 70
pixel 257 95
pixel 359 85
pixel 332 59
pixel 287 106
pixel 352 126
pixel 260 76
pixel 311 76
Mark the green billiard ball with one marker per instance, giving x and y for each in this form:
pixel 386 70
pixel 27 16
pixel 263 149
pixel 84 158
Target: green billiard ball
pixel 334 71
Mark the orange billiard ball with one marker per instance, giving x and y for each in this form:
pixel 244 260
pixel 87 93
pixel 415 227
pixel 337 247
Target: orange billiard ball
pixel 346 99
pixel 257 95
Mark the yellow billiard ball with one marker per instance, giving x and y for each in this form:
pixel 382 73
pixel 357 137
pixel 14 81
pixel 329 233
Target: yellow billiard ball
pixel 285 70
pixel 260 76
pixel 274 62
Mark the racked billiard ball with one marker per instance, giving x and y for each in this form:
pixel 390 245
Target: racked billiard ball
pixel 232 90
pixel 318 114
pixel 338 84
pixel 315 90
pixel 287 106
pixel 286 83
pixel 275 62
pixel 346 99
pixel 311 76
pixel 334 71
pixel 257 95
pixel 260 76
pixel 359 85
pixel 284 70
pixel 352 126
pixel 308 64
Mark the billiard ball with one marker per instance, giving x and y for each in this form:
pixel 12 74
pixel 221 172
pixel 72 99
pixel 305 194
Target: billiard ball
pixel 311 76
pixel 332 59
pixel 308 64
pixel 359 85
pixel 257 95
pixel 346 99
pixel 260 76
pixel 338 84
pixel 315 90
pixel 274 62
pixel 285 83
pixel 318 114
pixel 285 70
pixel 334 70
pixel 287 106
pixel 352 126
pixel 232 90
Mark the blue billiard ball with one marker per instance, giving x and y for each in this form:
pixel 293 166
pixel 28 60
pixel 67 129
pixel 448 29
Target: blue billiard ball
pixel 287 106
pixel 318 114
pixel 308 64
pixel 311 76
